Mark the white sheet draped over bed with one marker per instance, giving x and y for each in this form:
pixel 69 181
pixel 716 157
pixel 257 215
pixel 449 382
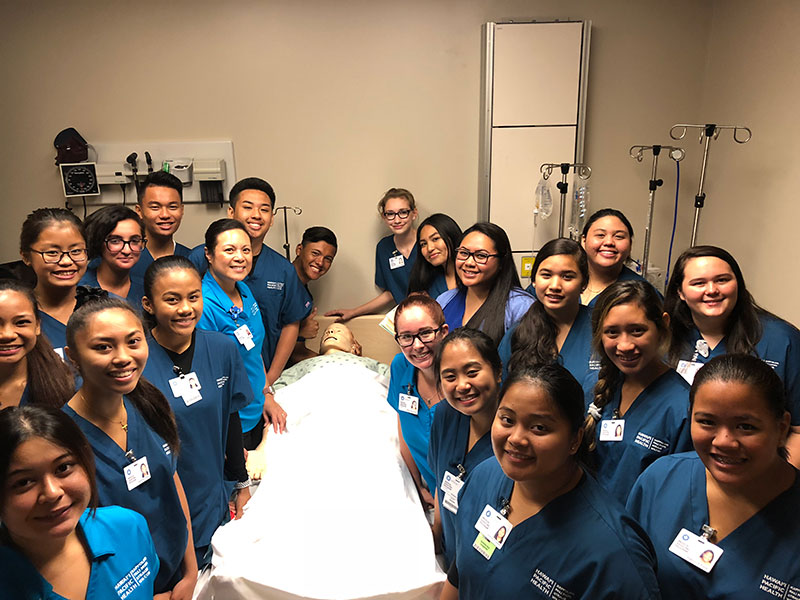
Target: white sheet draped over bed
pixel 337 514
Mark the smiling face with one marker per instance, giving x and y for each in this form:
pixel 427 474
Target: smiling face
pixel 735 432
pixel 558 283
pixel 469 383
pixel 607 243
pixel 110 351
pixel 61 236
pixel 432 246
pixel 470 272
pixel 392 215
pixel 125 258
pixel 255 211
pixel 630 339
pixel 232 257
pixel 19 327
pixel 46 493
pixel 314 259
pixel 709 288
pixel 337 338
pixel 412 321
pixel 177 301
pixel 161 210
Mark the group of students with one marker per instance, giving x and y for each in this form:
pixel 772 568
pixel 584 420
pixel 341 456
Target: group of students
pixel 558 400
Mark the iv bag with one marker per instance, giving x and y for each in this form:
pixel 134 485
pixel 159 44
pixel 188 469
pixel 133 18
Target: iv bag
pixel 543 201
pixel 580 210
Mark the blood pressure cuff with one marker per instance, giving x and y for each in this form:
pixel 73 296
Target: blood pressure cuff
pixel 70 147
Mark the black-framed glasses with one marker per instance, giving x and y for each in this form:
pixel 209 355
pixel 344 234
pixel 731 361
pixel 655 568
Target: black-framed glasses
pixel 391 215
pixel 425 336
pixel 116 244
pixel 479 256
pixel 53 257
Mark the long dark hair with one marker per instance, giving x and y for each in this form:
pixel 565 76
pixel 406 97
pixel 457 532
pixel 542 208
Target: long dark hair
pixel 641 294
pixel 423 273
pixel 147 399
pixel 534 340
pixel 607 212
pixel 490 317
pixel 743 328
pixel 50 380
pixel 483 344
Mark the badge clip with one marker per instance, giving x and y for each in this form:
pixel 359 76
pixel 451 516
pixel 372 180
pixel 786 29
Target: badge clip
pixel 505 507
pixel 707 532
pixel 130 456
pixel 461 471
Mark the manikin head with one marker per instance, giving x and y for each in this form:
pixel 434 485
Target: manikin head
pixel 338 338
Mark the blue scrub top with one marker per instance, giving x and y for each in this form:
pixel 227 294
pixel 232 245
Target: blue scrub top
pixel 779 347
pixel 759 557
pixel 127 568
pixel 453 303
pixel 217 317
pixel 135 293
pixel 438 286
pixel 55 331
pixel 146 259
pixel 580 545
pixel 393 280
pixel 416 428
pixel 278 290
pixel 656 424
pixel 203 426
pixel 447 450
pixel 156 499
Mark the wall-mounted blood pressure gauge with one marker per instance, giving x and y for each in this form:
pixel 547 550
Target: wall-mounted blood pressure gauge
pixel 79 179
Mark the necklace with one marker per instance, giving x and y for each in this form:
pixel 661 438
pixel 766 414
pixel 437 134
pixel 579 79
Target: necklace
pixel 121 423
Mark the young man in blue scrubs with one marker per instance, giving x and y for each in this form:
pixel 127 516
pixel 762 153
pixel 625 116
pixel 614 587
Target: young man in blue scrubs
pixel 160 206
pixel 315 254
pixel 273 280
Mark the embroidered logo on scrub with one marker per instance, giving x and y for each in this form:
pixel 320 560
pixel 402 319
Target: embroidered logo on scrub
pixel 221 381
pixel 275 285
pixel 135 577
pixel 650 442
pixel 776 587
pixel 550 587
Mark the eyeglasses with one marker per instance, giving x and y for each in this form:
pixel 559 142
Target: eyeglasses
pixel 479 256
pixel 53 257
pixel 390 215
pixel 116 244
pixel 425 336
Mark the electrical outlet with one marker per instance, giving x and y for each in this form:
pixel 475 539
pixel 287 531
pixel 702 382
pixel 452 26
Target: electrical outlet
pixel 526 266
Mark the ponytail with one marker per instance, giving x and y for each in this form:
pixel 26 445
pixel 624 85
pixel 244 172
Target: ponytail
pixel 534 340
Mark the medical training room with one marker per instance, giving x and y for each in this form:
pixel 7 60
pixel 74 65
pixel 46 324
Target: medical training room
pixel 423 300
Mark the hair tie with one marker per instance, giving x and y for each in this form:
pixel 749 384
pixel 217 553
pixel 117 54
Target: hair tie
pixel 595 412
pixel 85 294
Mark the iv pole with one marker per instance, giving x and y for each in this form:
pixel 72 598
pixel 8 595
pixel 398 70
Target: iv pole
pixel 296 210
pixel 582 170
pixel 709 130
pixel 637 152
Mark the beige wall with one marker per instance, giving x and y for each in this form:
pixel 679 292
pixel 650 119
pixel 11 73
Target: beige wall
pixel 335 101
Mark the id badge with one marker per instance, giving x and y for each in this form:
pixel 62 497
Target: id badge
pixel 450 502
pixel 696 550
pixel 245 337
pixel 451 484
pixel 395 262
pixel 187 388
pixel 493 526
pixel 688 369
pixel 612 430
pixel 137 473
pixel 483 546
pixel 408 404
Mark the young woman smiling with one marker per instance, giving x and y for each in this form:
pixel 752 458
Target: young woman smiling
pixel 437 238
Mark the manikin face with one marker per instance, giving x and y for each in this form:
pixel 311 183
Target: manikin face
pixel 161 210
pixel 337 338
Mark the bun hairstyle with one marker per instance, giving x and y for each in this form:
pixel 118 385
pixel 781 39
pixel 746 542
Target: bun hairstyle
pixel 396 193
pixel 641 294
pixel 42 218
pixel 147 399
pixel 422 300
pixel 218 227
pixel 50 380
pixel 423 273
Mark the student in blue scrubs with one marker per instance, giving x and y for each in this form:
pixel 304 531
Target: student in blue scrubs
pixel 531 523
pixel 30 371
pixel 282 299
pixel 556 327
pixel 116 238
pixel 437 239
pixel 52 243
pixel 54 541
pixel 413 391
pixel 488 296
pixel 160 205
pixel 132 431
pixel 395 255
pixel 712 313
pixel 203 377
pixel 737 493
pixel 468 369
pixel 639 409
pixel 231 308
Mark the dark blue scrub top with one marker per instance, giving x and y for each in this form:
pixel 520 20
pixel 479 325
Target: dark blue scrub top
pixel 278 290
pixel 393 280
pixel 448 449
pixel 759 557
pixel 656 424
pixel 580 545
pixel 55 331
pixel 203 426
pixel 135 293
pixel 146 259
pixel 416 428
pixel 126 568
pixel 438 286
pixel 156 499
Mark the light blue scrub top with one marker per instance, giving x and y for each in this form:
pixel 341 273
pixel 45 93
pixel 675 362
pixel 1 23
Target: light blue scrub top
pixel 146 259
pixel 135 293
pixel 393 280
pixel 580 545
pixel 448 449
pixel 156 499
pixel 218 316
pixel 453 303
pixel 416 428
pixel 203 425
pixel 656 424
pixel 118 570
pixel 760 557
